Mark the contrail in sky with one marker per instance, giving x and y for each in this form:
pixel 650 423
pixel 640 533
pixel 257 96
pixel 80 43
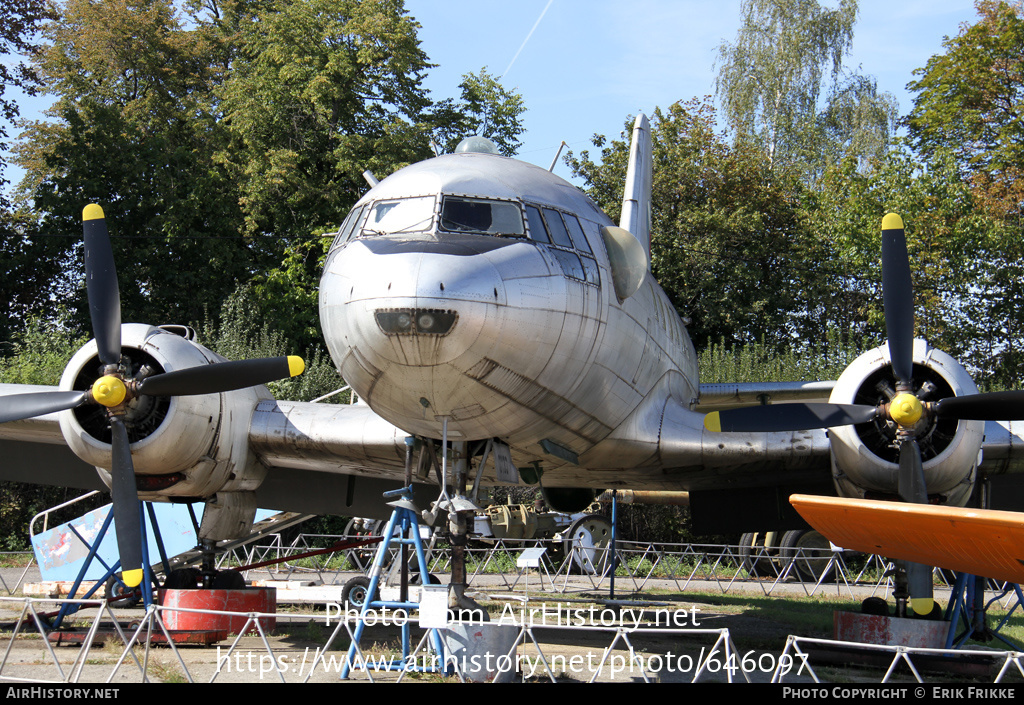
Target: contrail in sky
pixel 532 30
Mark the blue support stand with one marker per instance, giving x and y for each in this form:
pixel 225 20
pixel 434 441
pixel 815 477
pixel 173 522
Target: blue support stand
pixel 405 519
pixel 69 608
pixel 968 599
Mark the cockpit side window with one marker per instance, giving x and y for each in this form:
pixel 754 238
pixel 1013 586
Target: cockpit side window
pixel 480 215
pixel 399 215
pixel 538 231
pixel 559 235
pixel 569 243
pixel 578 237
pixel 350 224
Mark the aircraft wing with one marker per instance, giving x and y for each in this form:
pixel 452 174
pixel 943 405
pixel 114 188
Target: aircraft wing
pixel 715 397
pixel 33 450
pixel 302 444
pixel 976 541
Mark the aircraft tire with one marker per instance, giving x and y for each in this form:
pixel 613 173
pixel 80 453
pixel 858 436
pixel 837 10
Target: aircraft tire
pixel 228 580
pixel 752 560
pixel 808 566
pixel 182 579
pixel 354 593
pixel 587 542
pixel 414 578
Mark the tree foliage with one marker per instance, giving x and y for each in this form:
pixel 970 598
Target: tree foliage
pixel 133 129
pixel 485 108
pixel 725 229
pixel 19 21
pixel 970 101
pixel 318 92
pixel 28 263
pixel 770 84
pixel 222 138
pixel 241 332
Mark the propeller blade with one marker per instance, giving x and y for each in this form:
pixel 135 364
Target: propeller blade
pixel 222 376
pixel 919 585
pixel 996 406
pixel 796 416
pixel 912 487
pixel 101 285
pixel 897 297
pixel 24 406
pixel 125 497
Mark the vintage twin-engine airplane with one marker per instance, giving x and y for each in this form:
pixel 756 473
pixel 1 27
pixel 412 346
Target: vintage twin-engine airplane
pixel 481 300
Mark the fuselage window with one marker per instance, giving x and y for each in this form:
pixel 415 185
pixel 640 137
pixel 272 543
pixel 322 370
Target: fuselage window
pixel 559 235
pixel 591 269
pixel 538 231
pixel 576 232
pixel 400 215
pixel 570 247
pixel 477 215
pixel 570 264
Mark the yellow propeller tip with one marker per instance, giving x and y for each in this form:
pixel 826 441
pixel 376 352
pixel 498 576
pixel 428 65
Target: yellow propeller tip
pixel 132 578
pixel 922 605
pixel 892 222
pixel 713 423
pixel 295 365
pixel 92 212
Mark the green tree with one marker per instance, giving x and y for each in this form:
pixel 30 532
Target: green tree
pixel 222 140
pixel 318 92
pixel 32 274
pixel 28 263
pixel 965 263
pixel 770 85
pixel 19 21
pixel 242 332
pixel 727 238
pixel 486 108
pixel 133 129
pixel 971 100
pixel 858 122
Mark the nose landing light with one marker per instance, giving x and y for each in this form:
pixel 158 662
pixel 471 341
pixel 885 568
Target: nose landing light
pixel 416 321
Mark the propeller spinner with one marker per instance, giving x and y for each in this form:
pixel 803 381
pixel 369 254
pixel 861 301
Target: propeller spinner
pixel 116 389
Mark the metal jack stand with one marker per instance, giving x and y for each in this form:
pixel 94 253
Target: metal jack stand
pixel 404 518
pixel 69 608
pixel 968 597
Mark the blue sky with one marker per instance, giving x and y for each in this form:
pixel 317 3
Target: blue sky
pixel 591 63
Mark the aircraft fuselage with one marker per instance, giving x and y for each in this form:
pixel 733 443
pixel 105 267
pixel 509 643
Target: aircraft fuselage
pixel 477 288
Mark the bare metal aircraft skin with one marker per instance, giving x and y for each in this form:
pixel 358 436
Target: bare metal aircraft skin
pixel 485 296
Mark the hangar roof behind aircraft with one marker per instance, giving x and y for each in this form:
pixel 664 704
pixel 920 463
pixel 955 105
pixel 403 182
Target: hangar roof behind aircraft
pixel 472 174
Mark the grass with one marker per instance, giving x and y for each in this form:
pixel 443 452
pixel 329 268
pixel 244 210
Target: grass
pixel 16 559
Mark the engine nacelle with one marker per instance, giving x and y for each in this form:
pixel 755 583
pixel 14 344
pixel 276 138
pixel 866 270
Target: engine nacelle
pixel 865 457
pixel 188 446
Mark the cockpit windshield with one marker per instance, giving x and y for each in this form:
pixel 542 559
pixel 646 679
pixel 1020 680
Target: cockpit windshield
pixel 479 215
pixel 400 215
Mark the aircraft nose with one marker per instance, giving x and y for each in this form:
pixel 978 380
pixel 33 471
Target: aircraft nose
pixel 416 321
pixel 417 309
